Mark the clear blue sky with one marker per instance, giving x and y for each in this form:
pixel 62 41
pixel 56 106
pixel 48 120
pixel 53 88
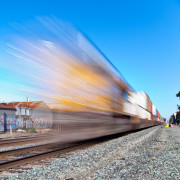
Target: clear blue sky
pixel 141 38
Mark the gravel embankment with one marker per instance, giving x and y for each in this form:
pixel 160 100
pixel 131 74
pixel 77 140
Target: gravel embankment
pixel 153 153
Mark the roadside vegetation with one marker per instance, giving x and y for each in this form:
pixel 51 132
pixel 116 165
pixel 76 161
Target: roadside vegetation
pixel 31 130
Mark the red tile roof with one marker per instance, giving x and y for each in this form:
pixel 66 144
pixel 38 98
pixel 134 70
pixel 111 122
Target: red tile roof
pixel 6 106
pixel 12 105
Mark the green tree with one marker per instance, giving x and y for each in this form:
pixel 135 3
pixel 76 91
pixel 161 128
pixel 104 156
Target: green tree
pixel 178 113
pixel 178 95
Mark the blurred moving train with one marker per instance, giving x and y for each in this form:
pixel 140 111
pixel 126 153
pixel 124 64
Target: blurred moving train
pixel 102 105
pixel 87 94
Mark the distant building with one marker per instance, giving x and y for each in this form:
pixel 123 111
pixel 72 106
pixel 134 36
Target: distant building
pixel 35 114
pixel 7 117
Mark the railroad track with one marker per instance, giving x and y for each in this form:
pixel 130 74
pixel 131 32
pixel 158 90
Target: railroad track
pixel 34 156
pixel 17 157
pixel 23 140
pixel 28 155
pixel 14 157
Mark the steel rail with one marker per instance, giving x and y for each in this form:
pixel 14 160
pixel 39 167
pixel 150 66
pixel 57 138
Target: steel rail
pixel 25 149
pixel 11 142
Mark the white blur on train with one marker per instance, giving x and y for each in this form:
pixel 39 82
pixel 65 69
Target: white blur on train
pixel 87 95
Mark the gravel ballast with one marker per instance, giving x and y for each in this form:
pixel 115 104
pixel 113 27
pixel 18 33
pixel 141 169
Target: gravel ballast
pixel 152 153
